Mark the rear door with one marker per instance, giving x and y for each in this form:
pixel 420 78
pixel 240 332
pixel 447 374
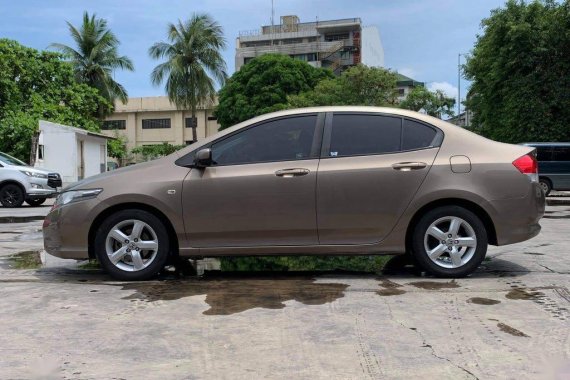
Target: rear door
pixel 371 167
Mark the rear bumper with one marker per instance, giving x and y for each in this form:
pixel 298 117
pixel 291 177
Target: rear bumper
pixel 517 219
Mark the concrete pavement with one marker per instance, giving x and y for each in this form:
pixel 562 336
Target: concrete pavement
pixel 509 320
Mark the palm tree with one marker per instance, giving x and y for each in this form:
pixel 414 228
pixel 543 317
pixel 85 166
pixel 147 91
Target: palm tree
pixel 193 56
pixel 96 57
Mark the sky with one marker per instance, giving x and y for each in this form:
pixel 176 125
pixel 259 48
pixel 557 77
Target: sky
pixel 421 38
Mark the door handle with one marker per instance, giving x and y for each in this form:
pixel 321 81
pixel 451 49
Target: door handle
pixel 296 172
pixel 407 166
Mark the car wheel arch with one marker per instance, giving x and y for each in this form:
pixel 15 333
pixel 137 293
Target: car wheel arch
pixel 469 205
pixel 13 182
pixel 174 245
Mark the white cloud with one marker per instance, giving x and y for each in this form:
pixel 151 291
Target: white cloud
pixel 448 89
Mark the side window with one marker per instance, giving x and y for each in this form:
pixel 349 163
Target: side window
pixel 284 139
pixel 544 153
pixel 362 134
pixel 417 135
pixel 561 153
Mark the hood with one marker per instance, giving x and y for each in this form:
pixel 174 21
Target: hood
pixel 31 169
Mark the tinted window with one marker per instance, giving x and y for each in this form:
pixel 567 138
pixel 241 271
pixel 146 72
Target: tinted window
pixel 277 140
pixel 417 135
pixel 364 134
pixel 561 153
pixel 544 153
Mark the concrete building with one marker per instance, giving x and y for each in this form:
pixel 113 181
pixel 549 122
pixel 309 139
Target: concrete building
pixel 73 152
pixel 404 85
pixel 154 120
pixel 336 44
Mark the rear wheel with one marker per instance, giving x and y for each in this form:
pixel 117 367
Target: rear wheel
pixel 35 202
pixel 546 186
pixel 449 241
pixel 11 195
pixel 132 245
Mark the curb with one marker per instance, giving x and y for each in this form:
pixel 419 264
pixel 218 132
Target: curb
pixel 558 201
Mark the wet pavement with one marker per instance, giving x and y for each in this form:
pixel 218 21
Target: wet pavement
pixel 511 319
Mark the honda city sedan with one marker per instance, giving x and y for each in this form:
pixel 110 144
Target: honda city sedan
pixel 314 181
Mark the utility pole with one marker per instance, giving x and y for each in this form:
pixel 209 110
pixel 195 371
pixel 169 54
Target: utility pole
pixel 458 86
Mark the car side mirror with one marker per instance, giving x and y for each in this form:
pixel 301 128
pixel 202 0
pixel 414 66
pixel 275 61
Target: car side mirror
pixel 203 158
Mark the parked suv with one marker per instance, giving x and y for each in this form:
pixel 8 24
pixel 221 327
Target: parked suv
pixel 553 165
pixel 325 180
pixel 21 183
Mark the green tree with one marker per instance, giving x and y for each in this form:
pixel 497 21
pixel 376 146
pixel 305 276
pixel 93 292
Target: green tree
pixel 433 103
pixel 262 85
pixel 95 57
pixel 117 148
pixel 193 64
pixel 359 85
pixel 520 73
pixel 38 85
pixel 150 152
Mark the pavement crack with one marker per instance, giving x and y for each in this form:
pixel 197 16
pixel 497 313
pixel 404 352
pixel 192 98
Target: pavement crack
pixel 426 345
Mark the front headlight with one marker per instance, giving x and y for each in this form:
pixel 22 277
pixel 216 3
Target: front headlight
pixel 76 196
pixel 33 174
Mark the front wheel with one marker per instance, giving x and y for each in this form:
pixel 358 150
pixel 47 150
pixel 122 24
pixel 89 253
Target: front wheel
pixel 132 245
pixel 11 195
pixel 449 241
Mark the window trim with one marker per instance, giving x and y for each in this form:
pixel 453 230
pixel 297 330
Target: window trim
pixel 325 151
pixel 188 159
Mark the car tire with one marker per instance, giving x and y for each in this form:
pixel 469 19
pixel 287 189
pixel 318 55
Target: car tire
pixel 546 186
pixel 11 195
pixel 449 241
pixel 36 202
pixel 143 250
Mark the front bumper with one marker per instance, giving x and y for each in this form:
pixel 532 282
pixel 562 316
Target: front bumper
pixel 66 230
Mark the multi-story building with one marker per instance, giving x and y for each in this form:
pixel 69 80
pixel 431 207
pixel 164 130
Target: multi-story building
pixel 335 44
pixel 406 84
pixel 154 120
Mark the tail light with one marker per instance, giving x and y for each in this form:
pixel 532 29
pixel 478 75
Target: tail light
pixel 528 165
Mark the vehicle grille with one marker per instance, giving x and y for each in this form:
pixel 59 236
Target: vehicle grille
pixel 54 180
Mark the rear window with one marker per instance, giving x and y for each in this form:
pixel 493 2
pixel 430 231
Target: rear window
pixel 544 153
pixel 417 135
pixel 355 135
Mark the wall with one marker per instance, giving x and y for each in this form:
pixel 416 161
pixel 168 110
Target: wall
pixel 60 153
pixel 372 49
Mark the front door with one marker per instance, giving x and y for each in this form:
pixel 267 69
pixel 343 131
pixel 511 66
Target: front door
pixel 261 189
pixel 371 168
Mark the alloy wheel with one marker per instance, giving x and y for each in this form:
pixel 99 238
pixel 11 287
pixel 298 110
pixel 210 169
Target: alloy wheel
pixel 131 245
pixel 450 242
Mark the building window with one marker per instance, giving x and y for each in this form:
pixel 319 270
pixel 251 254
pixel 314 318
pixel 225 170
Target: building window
pixel 155 123
pixel 191 122
pixel 290 41
pixel 401 92
pixel 41 152
pixel 247 59
pixel 212 118
pixel 312 39
pixel 114 124
pixel 336 36
pixel 188 142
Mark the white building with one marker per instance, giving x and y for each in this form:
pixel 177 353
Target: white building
pixel 334 44
pixel 72 152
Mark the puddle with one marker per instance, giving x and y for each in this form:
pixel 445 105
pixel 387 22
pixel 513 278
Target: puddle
pixel 533 253
pixel 20 219
pixel 522 294
pixel 432 285
pixel 511 330
pixel 234 294
pixel 391 288
pixel 25 260
pixel 483 301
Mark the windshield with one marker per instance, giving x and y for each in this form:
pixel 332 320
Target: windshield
pixel 11 160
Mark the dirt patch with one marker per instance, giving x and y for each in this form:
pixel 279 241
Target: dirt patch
pixel 483 301
pixel 522 294
pixel 235 294
pixel 433 285
pixel 511 330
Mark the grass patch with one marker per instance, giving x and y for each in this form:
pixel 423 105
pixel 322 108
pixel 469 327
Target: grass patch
pixel 90 264
pixel 26 260
pixel 372 264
